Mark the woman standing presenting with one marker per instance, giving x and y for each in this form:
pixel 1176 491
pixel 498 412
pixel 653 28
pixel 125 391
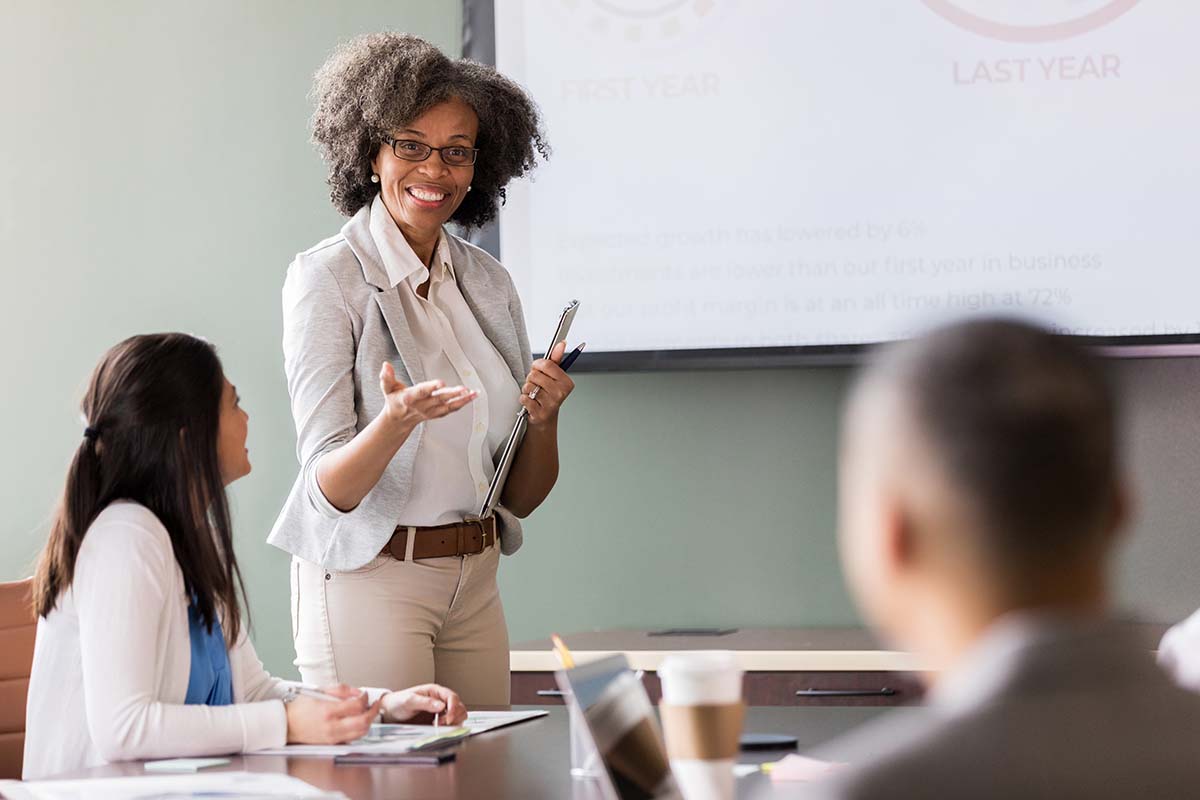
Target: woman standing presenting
pixel 407 360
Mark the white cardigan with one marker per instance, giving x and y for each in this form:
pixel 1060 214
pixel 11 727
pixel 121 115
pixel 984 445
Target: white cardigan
pixel 112 660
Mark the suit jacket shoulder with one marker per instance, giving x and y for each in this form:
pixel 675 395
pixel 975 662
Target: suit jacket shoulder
pixel 1084 717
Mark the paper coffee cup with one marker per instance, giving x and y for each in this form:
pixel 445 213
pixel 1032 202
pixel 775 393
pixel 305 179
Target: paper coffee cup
pixel 704 780
pixel 702 713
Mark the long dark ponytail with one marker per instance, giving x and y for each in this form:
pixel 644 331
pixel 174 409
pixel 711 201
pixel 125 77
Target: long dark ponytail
pixel 152 411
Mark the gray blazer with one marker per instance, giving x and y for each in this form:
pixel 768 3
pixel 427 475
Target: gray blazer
pixel 341 321
pixel 1081 714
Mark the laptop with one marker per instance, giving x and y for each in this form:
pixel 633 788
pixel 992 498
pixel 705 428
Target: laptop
pixel 616 741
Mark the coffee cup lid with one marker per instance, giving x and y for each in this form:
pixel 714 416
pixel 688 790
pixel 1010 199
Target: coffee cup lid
pixel 700 661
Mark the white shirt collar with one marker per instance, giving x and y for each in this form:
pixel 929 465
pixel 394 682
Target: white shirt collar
pixel 399 260
pixel 991 663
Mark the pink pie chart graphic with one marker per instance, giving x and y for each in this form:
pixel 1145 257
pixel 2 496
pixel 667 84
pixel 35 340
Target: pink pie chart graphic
pixel 994 26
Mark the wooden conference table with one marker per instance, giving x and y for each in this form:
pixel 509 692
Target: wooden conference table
pixel 528 761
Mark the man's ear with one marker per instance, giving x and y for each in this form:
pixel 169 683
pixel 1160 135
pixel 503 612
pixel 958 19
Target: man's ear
pixel 898 538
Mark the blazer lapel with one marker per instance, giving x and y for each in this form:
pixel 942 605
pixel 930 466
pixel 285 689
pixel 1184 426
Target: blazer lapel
pixel 494 318
pixel 358 235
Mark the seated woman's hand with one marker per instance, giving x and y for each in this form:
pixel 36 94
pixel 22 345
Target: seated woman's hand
pixel 311 720
pixel 423 702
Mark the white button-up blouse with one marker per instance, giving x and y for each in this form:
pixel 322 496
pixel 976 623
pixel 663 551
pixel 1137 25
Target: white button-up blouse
pixel 457 457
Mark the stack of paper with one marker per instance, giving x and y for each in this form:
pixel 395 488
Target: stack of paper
pixel 405 738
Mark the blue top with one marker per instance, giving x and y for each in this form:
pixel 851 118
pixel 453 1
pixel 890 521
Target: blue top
pixel 210 682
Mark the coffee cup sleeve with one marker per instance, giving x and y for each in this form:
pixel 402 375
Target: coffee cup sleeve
pixel 704 732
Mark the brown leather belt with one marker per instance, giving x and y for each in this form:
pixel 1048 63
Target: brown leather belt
pixel 456 539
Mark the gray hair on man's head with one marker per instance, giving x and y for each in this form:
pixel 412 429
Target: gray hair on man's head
pixel 1021 427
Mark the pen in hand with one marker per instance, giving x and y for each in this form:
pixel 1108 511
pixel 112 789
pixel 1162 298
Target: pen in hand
pixel 565 365
pixel 316 694
pixel 571 357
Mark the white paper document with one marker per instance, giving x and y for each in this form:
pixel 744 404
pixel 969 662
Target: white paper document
pixel 184 764
pixel 226 785
pixel 483 721
pixel 402 738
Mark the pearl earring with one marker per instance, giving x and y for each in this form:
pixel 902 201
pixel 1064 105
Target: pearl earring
pixel 374 178
pixel 468 188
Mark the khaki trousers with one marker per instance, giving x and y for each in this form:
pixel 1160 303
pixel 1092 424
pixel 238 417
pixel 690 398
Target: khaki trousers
pixel 397 624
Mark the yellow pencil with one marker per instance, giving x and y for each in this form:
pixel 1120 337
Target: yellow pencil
pixel 564 655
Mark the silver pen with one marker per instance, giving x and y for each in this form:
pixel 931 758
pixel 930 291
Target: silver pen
pixel 316 694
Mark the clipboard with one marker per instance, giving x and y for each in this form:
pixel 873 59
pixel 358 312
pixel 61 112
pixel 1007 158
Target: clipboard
pixel 509 454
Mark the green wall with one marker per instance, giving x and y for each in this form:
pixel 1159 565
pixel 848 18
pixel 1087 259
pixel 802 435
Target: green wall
pixel 155 174
pixel 686 498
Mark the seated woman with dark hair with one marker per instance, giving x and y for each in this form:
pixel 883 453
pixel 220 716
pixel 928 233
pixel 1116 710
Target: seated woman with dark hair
pixel 141 648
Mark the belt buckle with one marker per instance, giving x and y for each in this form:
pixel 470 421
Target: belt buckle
pixel 474 519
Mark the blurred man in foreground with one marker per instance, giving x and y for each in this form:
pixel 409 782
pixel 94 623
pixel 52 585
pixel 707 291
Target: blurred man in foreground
pixel 981 498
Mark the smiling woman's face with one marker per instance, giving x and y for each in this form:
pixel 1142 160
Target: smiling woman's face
pixel 422 195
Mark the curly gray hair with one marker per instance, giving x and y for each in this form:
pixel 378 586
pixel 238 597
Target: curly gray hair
pixel 376 83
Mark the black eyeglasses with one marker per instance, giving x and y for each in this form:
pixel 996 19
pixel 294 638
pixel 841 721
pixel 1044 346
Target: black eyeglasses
pixel 453 156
